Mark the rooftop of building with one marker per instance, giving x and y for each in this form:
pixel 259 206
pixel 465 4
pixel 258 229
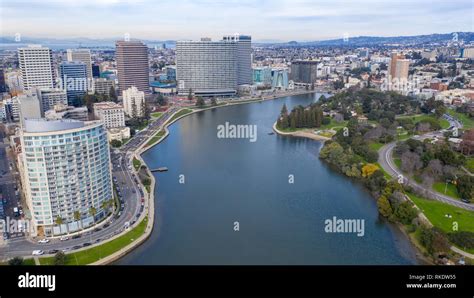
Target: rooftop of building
pixel 42 125
pixel 107 105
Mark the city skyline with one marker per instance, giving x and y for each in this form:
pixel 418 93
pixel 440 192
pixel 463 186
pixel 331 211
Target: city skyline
pixel 146 19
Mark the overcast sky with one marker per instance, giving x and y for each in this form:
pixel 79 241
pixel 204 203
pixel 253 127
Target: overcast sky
pixel 284 20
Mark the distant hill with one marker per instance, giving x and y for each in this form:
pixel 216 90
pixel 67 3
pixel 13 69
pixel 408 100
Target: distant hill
pixel 401 40
pixel 63 43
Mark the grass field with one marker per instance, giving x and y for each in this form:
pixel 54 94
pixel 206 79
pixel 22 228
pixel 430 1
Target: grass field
pixel 465 120
pixel 155 138
pixel 94 254
pixel 334 125
pixel 136 163
pixel 398 162
pixel 436 212
pixel 156 114
pixel 376 146
pixel 451 189
pixel 470 164
pixel 179 114
pixel 417 118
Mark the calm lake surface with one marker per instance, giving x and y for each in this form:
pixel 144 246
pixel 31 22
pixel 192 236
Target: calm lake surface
pixel 235 180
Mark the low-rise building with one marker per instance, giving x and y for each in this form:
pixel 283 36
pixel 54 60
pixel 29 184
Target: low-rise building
pixel 110 113
pixel 118 133
pixel 62 111
pixel 134 102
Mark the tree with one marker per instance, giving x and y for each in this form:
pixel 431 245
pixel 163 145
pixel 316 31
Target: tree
pixel 369 169
pixel 93 212
pixel 405 213
pixel 433 240
pixel 134 110
pixel 465 187
pixel 112 94
pixel 145 111
pixel 213 101
pixel 60 221
pixel 410 162
pixel 77 217
pixel 59 258
pixel 16 261
pixel 384 207
pixel 161 100
pixel 116 143
pixel 200 102
pixel 190 94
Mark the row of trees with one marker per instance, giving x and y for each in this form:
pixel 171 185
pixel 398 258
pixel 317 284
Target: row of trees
pixel 301 117
pixel 106 205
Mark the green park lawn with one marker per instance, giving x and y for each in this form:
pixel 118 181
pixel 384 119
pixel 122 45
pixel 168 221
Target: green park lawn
pixel 470 164
pixel 465 120
pixel 136 163
pixel 451 189
pixel 334 125
pixel 376 146
pixel 179 114
pixel 96 253
pixel 436 212
pixel 398 162
pixel 155 138
pixel 156 114
pixel 417 118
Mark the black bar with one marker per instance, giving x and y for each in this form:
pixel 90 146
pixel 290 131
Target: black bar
pixel 136 281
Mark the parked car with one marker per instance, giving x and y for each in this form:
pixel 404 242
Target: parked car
pixel 76 237
pixel 37 252
pixel 53 251
pixel 76 247
pixel 86 244
pixel 64 238
pixel 43 241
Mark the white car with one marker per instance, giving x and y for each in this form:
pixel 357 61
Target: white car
pixel 43 241
pixel 64 238
pixel 37 252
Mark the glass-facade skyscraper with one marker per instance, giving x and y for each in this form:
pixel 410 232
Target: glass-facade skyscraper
pixel 73 76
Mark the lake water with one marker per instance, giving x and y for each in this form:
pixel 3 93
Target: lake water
pixel 235 180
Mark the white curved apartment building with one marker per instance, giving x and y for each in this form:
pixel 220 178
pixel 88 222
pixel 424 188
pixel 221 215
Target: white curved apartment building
pixel 65 167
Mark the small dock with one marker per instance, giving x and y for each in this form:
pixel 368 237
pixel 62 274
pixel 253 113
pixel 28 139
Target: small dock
pixel 160 169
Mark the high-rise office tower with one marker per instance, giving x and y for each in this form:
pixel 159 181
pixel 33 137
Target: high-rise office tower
pixel 73 75
pixel 36 65
pixel 3 85
pixel 132 65
pixel 213 68
pixel 83 55
pixel 244 57
pixel 96 71
pixel 65 167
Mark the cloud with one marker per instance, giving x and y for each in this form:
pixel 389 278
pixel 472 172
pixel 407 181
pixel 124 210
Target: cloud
pixel 264 19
